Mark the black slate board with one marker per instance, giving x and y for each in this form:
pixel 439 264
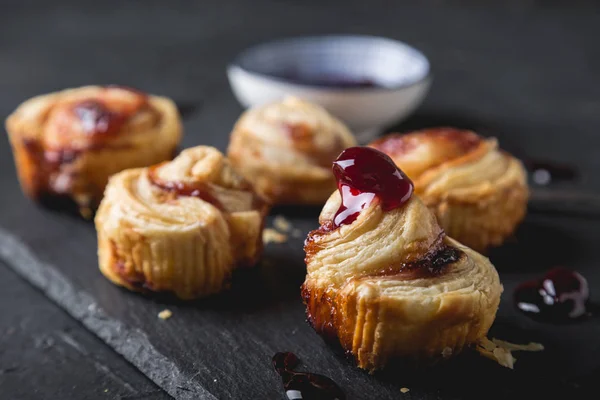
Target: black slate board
pixel 45 353
pixel 524 74
pixel 221 347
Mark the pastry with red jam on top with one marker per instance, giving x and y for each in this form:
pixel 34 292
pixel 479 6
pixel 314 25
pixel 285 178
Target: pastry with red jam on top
pixel 180 227
pixel 382 276
pixel 286 149
pixel 478 192
pixel 67 144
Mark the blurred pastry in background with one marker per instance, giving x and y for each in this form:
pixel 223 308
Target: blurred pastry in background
pixel 477 191
pixel 286 149
pixel 67 144
pixel 382 276
pixel 181 226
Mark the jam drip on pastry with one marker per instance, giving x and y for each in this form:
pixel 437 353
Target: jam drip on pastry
pixel 364 174
pixel 432 264
pixel 88 122
pixel 96 118
pixel 195 189
pixel 304 385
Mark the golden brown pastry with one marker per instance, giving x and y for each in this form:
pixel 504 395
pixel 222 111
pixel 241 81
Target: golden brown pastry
pixel 478 192
pixel 180 226
pixel 383 277
pixel 285 149
pixel 68 143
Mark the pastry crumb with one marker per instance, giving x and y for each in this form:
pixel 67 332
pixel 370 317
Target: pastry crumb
pixel 282 224
pixel 404 390
pixel 447 352
pixel 165 314
pixel 271 235
pixel 282 227
pixel 501 351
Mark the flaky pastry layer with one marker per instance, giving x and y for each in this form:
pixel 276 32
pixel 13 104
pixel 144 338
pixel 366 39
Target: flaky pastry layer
pixel 478 192
pixel 64 143
pixel 392 285
pixel 180 227
pixel 286 150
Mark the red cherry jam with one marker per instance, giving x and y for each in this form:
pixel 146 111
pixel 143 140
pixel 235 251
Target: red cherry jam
pixel 364 174
pixel 304 385
pixel 330 80
pixel 560 296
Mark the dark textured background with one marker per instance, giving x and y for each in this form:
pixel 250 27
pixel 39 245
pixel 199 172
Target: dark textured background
pixel 526 72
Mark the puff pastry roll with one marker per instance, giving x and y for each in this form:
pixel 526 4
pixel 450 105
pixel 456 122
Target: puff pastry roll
pixel 286 149
pixel 384 279
pixel 67 144
pixel 478 192
pixel 181 226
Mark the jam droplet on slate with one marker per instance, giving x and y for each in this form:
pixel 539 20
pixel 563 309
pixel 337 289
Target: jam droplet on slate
pixel 560 296
pixel 362 174
pixel 304 385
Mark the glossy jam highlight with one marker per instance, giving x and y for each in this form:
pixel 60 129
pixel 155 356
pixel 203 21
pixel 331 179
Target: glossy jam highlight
pixel 560 296
pixel 364 174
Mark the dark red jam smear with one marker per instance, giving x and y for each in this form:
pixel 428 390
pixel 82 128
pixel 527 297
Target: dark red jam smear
pixel 304 385
pixel 562 295
pixel 331 81
pixel 198 190
pixel 363 174
pixel 97 119
pixel 433 264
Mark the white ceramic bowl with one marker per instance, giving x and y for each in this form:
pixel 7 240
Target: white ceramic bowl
pixel 326 70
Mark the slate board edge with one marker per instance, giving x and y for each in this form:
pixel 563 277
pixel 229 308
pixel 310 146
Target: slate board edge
pixel 132 344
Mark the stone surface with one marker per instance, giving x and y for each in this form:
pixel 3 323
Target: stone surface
pixel 44 353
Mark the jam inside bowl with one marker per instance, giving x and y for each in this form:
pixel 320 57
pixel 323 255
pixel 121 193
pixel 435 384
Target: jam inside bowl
pixel 368 82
